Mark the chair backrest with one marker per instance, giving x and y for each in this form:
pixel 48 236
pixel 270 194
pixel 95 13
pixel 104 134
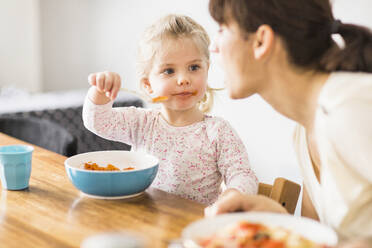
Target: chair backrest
pixel 283 191
pixel 71 119
pixel 40 132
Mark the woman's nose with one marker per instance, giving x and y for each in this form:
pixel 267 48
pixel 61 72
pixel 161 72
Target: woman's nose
pixel 213 48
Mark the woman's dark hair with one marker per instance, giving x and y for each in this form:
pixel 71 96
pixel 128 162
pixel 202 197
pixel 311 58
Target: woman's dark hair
pixel 305 26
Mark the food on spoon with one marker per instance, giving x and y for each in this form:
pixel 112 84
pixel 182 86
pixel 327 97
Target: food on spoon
pixel 159 99
pixel 247 235
pixel 109 167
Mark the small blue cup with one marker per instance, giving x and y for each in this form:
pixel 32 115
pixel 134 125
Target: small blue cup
pixel 15 166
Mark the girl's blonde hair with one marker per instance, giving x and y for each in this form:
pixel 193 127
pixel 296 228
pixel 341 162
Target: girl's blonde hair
pixel 173 26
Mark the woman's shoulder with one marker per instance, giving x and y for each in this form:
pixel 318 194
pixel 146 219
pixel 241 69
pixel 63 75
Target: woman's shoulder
pixel 346 101
pixel 344 120
pixel 345 88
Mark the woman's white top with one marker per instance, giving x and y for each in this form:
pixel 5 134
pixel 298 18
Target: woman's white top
pixel 343 132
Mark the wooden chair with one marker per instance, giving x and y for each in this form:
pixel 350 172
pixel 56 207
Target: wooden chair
pixel 283 191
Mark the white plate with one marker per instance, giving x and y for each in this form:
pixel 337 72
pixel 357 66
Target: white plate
pixel 306 227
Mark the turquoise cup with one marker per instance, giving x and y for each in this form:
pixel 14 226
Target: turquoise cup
pixel 15 166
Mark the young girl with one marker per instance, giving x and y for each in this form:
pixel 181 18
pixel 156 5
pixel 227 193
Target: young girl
pixel 196 151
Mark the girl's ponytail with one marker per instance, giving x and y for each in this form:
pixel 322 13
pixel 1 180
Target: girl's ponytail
pixel 206 103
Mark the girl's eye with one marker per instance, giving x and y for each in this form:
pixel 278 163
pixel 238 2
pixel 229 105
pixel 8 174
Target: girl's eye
pixel 168 71
pixel 194 67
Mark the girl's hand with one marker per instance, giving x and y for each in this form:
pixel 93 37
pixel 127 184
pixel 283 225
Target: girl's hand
pixel 232 201
pixel 106 86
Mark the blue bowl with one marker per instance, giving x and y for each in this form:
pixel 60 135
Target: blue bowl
pixel 112 184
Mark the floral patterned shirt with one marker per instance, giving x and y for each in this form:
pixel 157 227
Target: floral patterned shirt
pixel 193 160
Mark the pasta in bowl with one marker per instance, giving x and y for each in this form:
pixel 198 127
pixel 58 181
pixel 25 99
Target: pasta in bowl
pixel 112 174
pixel 258 229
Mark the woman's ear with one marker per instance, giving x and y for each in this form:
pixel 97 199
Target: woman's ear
pixel 145 85
pixel 264 41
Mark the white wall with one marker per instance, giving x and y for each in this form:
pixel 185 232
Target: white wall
pixel 20 60
pixel 85 36
pixel 357 11
pixel 81 36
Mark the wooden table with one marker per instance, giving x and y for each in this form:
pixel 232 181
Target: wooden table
pixel 53 213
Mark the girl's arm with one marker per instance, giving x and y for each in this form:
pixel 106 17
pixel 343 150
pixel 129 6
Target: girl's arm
pixel 233 162
pixel 241 182
pixel 126 125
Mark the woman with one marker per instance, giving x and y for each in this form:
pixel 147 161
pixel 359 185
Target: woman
pixel 284 51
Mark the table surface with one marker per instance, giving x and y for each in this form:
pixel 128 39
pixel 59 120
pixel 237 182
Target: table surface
pixel 53 213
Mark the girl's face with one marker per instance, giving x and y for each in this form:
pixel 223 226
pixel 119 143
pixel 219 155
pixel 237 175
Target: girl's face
pixel 237 59
pixel 179 71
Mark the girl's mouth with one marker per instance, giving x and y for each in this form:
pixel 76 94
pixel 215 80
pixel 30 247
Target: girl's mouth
pixel 186 93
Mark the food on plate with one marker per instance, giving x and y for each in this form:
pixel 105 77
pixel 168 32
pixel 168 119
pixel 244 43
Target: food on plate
pixel 254 235
pixel 109 167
